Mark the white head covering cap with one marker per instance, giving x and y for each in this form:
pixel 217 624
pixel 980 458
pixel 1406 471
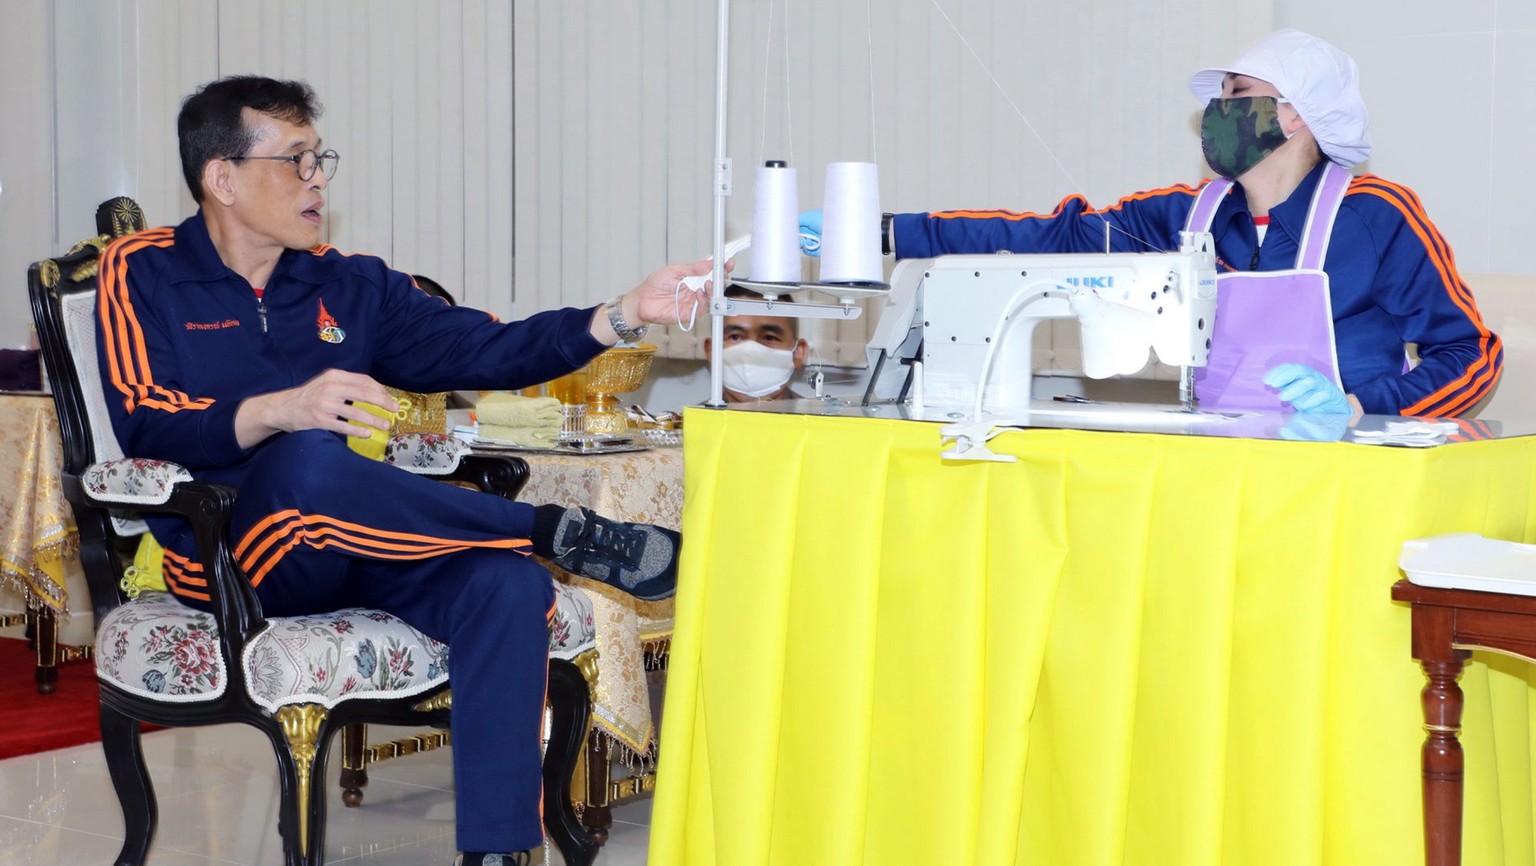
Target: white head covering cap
pixel 1321 82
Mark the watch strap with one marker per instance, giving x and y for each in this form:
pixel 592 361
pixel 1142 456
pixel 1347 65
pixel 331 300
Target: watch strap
pixel 627 332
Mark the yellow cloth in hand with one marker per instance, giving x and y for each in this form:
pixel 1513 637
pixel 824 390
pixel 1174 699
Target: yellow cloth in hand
pixel 514 410
pixel 376 442
pixel 533 437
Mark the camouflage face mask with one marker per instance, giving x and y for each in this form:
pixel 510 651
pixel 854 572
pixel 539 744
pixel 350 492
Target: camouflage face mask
pixel 1236 134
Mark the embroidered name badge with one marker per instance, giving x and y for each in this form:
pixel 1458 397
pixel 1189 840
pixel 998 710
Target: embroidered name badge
pixel 330 332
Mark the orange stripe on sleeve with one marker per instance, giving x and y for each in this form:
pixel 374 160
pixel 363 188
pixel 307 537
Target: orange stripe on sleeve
pixel 1061 206
pixel 1490 349
pixel 1408 204
pixel 115 308
pixel 1460 393
pixel 126 348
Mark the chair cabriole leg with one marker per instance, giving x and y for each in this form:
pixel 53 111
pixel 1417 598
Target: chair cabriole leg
pixel 301 728
pixel 135 793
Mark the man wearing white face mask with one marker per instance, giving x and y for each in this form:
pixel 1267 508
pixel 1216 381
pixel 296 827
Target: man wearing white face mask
pixel 762 354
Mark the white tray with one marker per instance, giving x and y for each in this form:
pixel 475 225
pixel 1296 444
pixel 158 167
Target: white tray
pixel 1470 561
pixel 587 444
pixel 481 444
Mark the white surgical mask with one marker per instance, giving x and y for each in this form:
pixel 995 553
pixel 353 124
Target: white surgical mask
pixel 755 370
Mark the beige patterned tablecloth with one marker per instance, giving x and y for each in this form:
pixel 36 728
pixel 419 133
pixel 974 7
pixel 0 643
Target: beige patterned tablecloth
pixel 38 540
pixel 641 486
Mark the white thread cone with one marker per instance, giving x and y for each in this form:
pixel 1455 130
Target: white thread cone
pixel 775 225
pixel 850 236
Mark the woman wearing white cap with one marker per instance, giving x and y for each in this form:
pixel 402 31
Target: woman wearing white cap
pixel 1283 124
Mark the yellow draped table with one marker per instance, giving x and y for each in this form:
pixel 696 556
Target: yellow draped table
pixel 1122 650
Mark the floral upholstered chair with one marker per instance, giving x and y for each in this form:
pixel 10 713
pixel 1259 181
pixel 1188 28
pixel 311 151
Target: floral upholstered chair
pixel 299 680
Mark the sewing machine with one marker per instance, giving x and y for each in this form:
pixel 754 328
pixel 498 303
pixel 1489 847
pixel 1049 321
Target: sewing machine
pixel 974 317
pixel 980 312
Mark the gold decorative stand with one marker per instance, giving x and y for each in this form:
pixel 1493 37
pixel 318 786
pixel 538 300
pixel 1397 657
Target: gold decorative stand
pixel 614 372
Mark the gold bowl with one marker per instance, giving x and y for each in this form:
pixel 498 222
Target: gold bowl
pixel 620 369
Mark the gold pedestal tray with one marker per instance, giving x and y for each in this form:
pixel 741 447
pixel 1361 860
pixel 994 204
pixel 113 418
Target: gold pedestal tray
pixel 620 369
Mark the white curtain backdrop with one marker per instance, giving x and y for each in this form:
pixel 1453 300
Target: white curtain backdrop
pixel 961 103
pixel 417 97
pixel 600 154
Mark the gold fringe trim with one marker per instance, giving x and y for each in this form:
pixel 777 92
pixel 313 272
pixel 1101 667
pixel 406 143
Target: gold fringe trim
pixel 656 652
pixel 36 588
pixel 635 761
pixel 52 554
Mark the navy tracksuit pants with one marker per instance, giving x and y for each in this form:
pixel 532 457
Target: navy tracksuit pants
pixel 319 527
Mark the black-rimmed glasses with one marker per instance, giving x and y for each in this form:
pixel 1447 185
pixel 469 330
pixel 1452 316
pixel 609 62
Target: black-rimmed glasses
pixel 305 161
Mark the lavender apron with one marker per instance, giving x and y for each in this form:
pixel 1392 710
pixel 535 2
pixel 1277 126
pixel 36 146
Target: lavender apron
pixel 1270 317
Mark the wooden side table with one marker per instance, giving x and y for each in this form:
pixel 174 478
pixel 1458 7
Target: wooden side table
pixel 1447 625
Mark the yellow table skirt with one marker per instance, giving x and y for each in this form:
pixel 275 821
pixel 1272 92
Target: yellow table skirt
pixel 1122 650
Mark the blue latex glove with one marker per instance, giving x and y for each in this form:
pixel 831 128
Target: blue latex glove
pixel 1314 428
pixel 1307 390
pixel 810 233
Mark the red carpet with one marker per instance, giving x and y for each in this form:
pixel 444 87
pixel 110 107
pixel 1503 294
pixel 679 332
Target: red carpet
pixel 38 723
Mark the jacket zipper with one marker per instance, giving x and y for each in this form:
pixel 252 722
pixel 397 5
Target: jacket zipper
pixel 1258 243
pixel 261 307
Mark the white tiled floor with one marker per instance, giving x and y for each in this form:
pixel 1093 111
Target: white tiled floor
pixel 218 802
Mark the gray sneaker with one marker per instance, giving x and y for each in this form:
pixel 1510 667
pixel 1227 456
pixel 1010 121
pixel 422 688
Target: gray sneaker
pixel 637 558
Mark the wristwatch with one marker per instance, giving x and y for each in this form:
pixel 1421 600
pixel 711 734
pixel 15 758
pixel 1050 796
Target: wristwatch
pixel 885 233
pixel 626 333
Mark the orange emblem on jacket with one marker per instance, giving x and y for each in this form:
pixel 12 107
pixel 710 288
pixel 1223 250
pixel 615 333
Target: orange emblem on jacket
pixel 329 330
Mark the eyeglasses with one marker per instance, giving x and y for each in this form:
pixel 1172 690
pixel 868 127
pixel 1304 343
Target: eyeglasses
pixel 305 161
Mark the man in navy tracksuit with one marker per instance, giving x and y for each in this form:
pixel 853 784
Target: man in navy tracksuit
pixel 240 346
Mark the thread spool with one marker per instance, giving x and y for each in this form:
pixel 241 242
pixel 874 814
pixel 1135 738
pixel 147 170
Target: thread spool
pixel 775 225
pixel 850 236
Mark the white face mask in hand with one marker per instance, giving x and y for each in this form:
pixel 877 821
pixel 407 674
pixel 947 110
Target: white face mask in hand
pixel 755 370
